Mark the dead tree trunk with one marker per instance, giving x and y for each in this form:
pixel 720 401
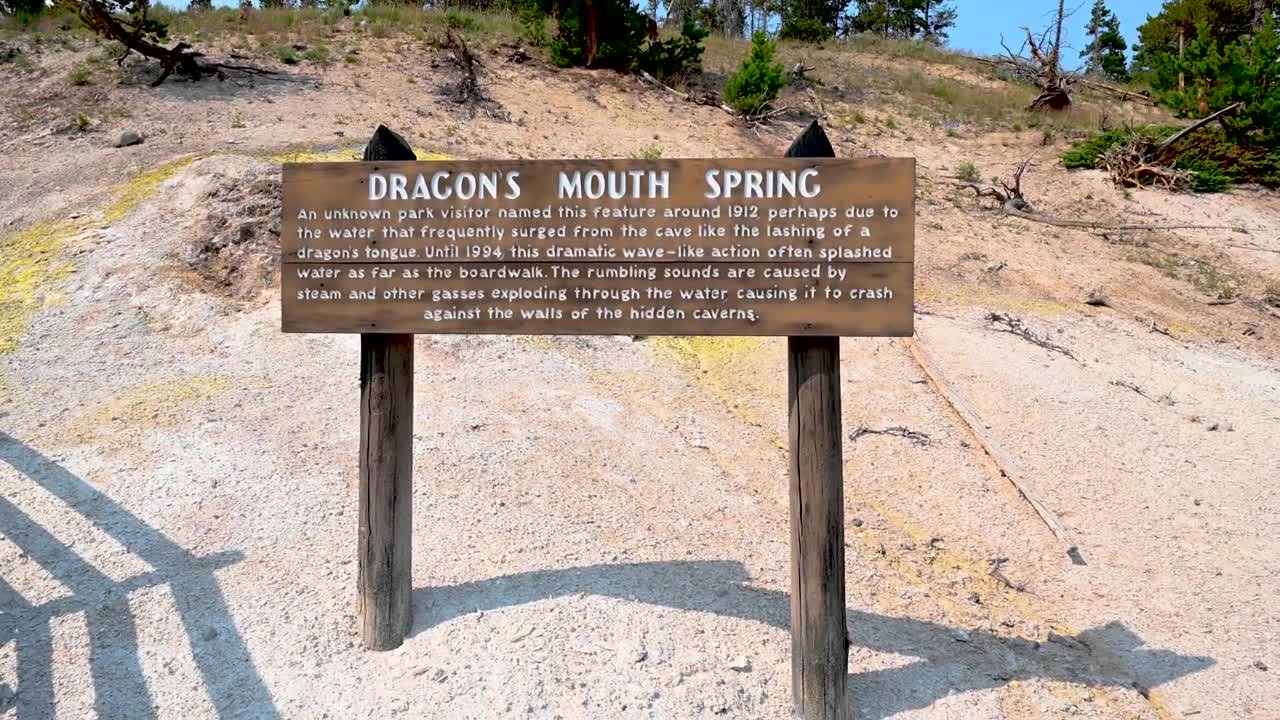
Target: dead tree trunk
pixel 180 58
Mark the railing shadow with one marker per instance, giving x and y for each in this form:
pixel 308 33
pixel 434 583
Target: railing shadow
pixel 1106 656
pixel 224 662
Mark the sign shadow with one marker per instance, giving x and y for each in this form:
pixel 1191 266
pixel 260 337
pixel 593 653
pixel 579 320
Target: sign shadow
pixel 950 660
pixel 223 659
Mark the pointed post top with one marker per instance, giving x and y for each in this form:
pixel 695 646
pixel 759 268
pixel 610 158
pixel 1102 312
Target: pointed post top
pixel 812 143
pixel 387 144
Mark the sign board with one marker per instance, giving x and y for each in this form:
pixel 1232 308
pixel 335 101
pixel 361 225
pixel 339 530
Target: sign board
pixel 639 247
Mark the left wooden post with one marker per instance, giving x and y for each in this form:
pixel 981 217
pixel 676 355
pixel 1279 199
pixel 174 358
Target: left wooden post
pixel 386 465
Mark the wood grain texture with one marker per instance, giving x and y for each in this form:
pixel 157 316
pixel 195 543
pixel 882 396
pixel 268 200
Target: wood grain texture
pixel 819 634
pixel 385 545
pixel 324 187
pixel 803 316
pixel 330 222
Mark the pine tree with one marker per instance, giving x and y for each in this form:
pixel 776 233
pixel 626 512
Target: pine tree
pixel 1178 20
pixel 927 20
pixel 758 80
pixel 1104 55
pixel 1246 71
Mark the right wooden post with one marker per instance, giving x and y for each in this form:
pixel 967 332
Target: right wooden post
pixel 819 635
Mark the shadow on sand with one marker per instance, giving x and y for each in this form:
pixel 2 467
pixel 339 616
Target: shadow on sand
pixel 232 680
pixel 1106 656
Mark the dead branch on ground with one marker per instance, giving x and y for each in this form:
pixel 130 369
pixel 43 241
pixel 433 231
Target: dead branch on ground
pixel 997 571
pixel 1141 162
pixel 466 90
pixel 712 100
pixel 180 59
pixel 917 438
pixel 1001 460
pixel 1113 90
pixel 1014 326
pixel 1013 202
pixel 1152 326
pixel 1010 196
pixel 1166 399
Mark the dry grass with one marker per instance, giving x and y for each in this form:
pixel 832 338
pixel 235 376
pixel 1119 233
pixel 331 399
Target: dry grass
pixel 313 24
pixel 1199 273
pixel 939 87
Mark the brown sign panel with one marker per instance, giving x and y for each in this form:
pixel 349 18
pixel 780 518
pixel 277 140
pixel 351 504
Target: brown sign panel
pixel 668 247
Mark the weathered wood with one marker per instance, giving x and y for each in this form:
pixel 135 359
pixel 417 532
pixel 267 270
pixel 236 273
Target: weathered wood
pixel 1003 462
pixel 386 467
pixel 706 310
pixel 830 256
pixel 865 183
pixel 1162 147
pixel 819 635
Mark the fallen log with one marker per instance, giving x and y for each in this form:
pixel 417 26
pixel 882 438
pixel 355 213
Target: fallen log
pixel 1001 459
pixel 180 59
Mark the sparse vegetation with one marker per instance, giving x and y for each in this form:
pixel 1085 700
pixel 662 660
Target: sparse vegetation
pixel 1200 274
pixel 287 55
pixel 1213 160
pixel 317 54
pixel 968 172
pixel 649 152
pixel 80 74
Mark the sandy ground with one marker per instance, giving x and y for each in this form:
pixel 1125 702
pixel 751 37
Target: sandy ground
pixel 601 523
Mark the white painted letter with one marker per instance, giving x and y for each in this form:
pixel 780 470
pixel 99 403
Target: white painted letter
pixel 805 188
pixel 399 187
pixel 377 186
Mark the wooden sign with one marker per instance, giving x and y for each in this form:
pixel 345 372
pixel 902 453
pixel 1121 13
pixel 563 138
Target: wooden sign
pixel 668 247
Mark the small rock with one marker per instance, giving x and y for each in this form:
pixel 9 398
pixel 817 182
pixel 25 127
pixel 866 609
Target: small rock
pixel 209 633
pixel 127 138
pixel 975 598
pixel 741 664
pixel 1096 298
pixel 1260 665
pixel 960 636
pixel 857 522
pixel 439 675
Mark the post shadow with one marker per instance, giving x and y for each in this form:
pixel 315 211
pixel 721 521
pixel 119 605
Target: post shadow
pixel 1106 656
pixel 234 685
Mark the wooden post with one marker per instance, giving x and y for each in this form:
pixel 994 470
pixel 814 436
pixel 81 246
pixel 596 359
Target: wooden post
pixel 386 465
pixel 819 636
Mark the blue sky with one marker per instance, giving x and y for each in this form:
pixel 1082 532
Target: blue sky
pixel 981 22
